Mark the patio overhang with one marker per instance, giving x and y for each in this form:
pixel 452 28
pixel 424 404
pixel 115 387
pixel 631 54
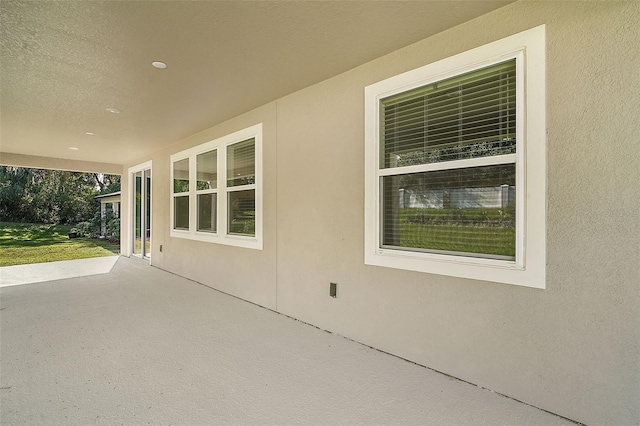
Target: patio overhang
pixel 65 65
pixel 38 162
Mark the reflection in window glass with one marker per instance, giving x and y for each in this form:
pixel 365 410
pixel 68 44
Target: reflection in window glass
pixel 137 243
pixel 181 176
pixel 461 210
pixel 181 212
pixel 207 170
pixel 242 212
pixel 207 212
pixel 241 163
pixel 147 209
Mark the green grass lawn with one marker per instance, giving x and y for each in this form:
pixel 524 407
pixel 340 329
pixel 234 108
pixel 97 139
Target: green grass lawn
pixel 485 231
pixel 495 241
pixel 22 243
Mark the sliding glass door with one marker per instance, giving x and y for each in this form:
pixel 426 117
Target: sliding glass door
pixel 141 202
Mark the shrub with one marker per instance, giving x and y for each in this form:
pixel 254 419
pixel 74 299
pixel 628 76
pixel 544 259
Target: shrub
pixel 113 228
pixel 83 229
pixel 488 218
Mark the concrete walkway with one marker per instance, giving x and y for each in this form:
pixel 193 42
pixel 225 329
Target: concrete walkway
pixel 51 271
pixel 142 346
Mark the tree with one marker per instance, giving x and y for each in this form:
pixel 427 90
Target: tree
pixel 14 189
pixel 51 196
pixel 107 183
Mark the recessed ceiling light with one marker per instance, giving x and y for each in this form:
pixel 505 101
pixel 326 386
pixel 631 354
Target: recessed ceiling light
pixel 73 148
pixel 113 110
pixel 159 65
pixel 88 133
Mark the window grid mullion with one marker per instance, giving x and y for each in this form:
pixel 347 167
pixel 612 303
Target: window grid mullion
pixel 241 188
pixel 200 228
pixel 450 165
pixel 207 191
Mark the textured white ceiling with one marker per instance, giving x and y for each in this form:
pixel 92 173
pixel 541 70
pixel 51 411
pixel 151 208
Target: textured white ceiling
pixel 63 63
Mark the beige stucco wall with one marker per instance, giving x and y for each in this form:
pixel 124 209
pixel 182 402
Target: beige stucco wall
pixel 249 274
pixel 574 348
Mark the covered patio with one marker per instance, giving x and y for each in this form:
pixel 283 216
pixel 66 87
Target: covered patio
pixel 300 158
pixel 139 345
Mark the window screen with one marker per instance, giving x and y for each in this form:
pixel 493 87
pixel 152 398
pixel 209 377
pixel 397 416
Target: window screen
pixel 463 211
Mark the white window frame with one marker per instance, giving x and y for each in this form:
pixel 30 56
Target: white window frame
pixel 529 266
pixel 131 205
pixel 175 195
pixel 221 236
pixel 213 191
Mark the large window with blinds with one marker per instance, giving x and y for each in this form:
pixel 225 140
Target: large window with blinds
pixel 455 165
pixel 217 190
pixel 459 137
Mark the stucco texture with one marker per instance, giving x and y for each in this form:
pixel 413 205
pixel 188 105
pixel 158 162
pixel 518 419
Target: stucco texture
pixel 573 348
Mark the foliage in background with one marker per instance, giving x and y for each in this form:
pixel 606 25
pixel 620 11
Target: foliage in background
pixel 92 228
pixel 23 243
pixel 113 226
pixel 51 196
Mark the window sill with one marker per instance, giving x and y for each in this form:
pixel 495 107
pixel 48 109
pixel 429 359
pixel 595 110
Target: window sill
pixel 228 240
pixel 493 270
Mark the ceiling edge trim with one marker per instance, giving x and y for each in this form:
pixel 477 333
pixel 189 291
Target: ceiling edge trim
pixel 36 162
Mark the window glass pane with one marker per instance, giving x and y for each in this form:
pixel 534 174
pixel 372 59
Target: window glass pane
pixel 242 212
pixel 207 212
pixel 137 242
pixel 181 176
pixel 468 116
pixel 147 209
pixel 181 212
pixel 241 160
pixel 466 211
pixel 207 170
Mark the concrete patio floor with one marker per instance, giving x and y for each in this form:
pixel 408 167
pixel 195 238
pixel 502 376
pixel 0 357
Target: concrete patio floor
pixel 50 271
pixel 142 346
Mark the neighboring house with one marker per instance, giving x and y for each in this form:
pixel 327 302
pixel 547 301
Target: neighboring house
pixel 108 202
pixel 487 197
pixel 298 189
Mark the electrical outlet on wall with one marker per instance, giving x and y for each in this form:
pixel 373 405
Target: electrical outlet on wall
pixel 333 290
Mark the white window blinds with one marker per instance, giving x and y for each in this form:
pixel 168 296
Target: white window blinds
pixel 468 116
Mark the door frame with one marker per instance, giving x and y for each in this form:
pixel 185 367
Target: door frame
pixel 147 165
